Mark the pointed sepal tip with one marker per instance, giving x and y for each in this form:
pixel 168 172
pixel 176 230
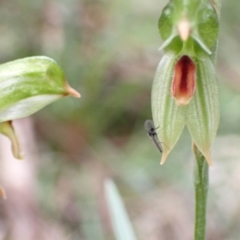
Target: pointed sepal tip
pixel 71 91
pixel 164 156
pixel 208 158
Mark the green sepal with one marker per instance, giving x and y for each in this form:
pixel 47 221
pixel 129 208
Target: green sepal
pixel 167 116
pixel 202 113
pixel 29 84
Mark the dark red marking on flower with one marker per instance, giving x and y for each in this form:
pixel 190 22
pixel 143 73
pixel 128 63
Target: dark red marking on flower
pixel 184 80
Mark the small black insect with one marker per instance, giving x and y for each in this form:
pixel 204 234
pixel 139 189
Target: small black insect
pixel 149 126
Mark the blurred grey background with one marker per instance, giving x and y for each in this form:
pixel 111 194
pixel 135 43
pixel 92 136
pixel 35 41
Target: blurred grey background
pixel 108 51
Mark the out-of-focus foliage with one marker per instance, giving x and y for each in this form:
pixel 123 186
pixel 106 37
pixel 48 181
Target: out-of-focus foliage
pixel 119 218
pixel 108 51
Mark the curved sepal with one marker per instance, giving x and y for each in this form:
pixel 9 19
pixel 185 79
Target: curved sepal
pixel 7 129
pixel 202 118
pixel 29 84
pixel 167 116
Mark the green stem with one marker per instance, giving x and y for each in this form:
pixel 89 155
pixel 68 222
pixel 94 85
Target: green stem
pixel 201 171
pixel 201 189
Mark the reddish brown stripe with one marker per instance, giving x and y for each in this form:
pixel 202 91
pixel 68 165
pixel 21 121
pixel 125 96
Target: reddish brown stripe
pixel 184 80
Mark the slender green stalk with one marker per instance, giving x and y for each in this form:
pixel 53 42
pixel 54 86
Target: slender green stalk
pixel 201 190
pixel 201 174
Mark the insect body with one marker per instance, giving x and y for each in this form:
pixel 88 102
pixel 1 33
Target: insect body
pixel 149 126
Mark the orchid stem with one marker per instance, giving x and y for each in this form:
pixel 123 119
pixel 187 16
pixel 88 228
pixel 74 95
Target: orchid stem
pixel 201 190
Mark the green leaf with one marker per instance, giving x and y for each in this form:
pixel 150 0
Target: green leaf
pixel 122 226
pixel 29 84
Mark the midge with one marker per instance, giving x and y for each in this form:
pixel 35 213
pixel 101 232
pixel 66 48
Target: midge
pixel 149 126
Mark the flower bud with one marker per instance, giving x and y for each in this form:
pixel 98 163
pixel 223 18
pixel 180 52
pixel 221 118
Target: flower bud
pixel 29 84
pixel 26 86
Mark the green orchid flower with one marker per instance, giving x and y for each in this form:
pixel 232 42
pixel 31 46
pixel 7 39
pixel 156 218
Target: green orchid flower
pixel 185 89
pixel 26 86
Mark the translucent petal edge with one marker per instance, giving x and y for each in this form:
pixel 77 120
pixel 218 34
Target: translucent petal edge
pixel 27 107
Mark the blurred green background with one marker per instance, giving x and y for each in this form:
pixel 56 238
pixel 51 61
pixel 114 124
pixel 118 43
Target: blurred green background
pixel 108 51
